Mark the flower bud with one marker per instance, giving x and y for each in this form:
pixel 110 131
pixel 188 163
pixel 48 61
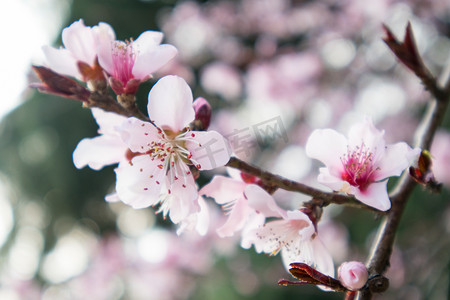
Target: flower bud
pixel 202 113
pixel 353 275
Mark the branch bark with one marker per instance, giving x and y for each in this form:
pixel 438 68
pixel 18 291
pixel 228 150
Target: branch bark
pixel 276 181
pixel 378 261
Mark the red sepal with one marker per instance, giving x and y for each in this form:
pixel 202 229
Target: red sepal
pixel 308 275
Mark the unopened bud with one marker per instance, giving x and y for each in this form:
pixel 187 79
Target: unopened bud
pixel 202 114
pixel 353 275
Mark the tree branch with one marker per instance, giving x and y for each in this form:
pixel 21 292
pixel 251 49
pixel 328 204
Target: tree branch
pixel 382 247
pixel 276 181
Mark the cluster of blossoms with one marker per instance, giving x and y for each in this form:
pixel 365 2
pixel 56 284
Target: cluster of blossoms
pixel 159 158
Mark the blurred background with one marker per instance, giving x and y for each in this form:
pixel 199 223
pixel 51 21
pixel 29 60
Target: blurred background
pixel 304 64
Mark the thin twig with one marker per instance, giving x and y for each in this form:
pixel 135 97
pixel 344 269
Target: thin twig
pixel 382 247
pixel 277 181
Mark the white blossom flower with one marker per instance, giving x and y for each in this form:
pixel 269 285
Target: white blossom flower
pixel 80 46
pixel 159 173
pixel 291 232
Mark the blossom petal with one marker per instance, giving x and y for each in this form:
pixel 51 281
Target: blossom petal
pixel 312 252
pixel 148 40
pixel 268 239
pixel 150 54
pixel 209 149
pixel 262 202
pixel 170 103
pixel 375 195
pixel 322 257
pixel 153 60
pixel 184 200
pixel 333 182
pixel 137 134
pixel 366 133
pixel 80 41
pixel 328 146
pixel 198 221
pixel 61 61
pixel 396 158
pixel 107 121
pixel 237 218
pixel 99 152
pixel 140 183
pixel 224 189
pixel 105 38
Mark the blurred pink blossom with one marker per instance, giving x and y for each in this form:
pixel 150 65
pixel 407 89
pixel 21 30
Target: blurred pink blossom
pixel 221 79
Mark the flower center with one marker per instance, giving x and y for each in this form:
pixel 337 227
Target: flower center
pixel 172 153
pixel 123 60
pixel 358 167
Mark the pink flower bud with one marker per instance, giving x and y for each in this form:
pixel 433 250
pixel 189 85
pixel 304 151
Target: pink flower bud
pixel 202 113
pixel 353 275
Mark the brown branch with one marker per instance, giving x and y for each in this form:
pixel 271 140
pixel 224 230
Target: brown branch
pixel 276 181
pixel 382 247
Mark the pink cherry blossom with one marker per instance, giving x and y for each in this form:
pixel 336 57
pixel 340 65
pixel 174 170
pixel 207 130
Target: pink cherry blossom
pixel 291 232
pixel 80 44
pixel 361 164
pixel 159 173
pixel 353 275
pixel 131 62
pixel 103 150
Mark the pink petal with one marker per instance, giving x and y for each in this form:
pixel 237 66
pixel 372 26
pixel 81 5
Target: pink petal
pixel 152 60
pixel 262 202
pixel 79 40
pixel 311 252
pixel 328 146
pixel 105 39
pixel 148 40
pixel 209 149
pixel 99 152
pixel 183 198
pixel 322 257
pixel 107 121
pixel 255 221
pixel 300 222
pixel 271 237
pixel 365 132
pixel 140 183
pixel 331 181
pixel 224 189
pixel 61 61
pixel 238 217
pixel 138 134
pixel 375 195
pixel 395 160
pixel 198 221
pixel 202 217
pixel 170 103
